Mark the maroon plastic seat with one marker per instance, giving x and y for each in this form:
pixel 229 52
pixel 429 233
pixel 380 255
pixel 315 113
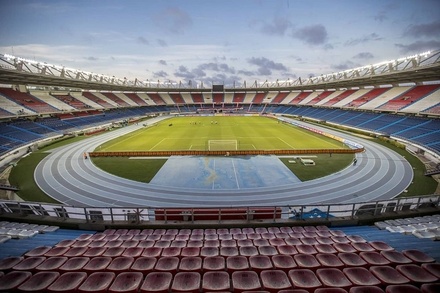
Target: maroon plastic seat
pixel 325 248
pixel 309 240
pixel 171 251
pixel 74 264
pixel 362 247
pixel 344 247
pixel 339 233
pixel 51 263
pixel 228 242
pixel 38 251
pixel 418 256
pixel 98 236
pixel 157 282
pixel 260 263
pixel 56 251
pixel 283 262
pixel 430 288
pixel 304 279
pixel 167 264
pixel 275 280
pixel 245 281
pixel 268 235
pixel 277 241
pixel 229 251
pixel 261 230
pixel 261 242
pixel 324 240
pixel 380 245
pixel 388 275
pixel 306 261
pixel 374 258
pixel 292 241
pixel 29 264
pixel 152 251
pixel 306 249
pixel 82 243
pixel 39 282
pixel 330 290
pixel 402 289
pixel 331 277
pixel 7 263
pixel 416 274
pixel 329 260
pixel 190 263
pixel 178 243
pixel 95 251
pixel 361 277
pixel 212 243
pixel 216 281
pixel 352 259
pixel 287 249
pixel 97 243
pixel 120 264
pixel 237 263
pixel 395 257
pixel 144 264
pixel 214 263
pixel 111 237
pixel 162 243
pixel 97 264
pixel 97 282
pixel 186 282
pixel 128 239
pixel 366 289
pixel 75 251
pixel 248 251
pixel 114 251
pixel 245 242
pixel 190 251
pixel 267 250
pixel 12 280
pixel 67 282
pixel 139 237
pixel 145 243
pixel 432 268
pixel 65 243
pixel 356 239
pixel 182 237
pixel 127 282
pixel 147 231
pixel 340 239
pixel 209 251
pixel 133 251
pixel 254 235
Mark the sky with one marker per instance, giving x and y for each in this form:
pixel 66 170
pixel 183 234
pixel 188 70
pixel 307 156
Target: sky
pixel 217 41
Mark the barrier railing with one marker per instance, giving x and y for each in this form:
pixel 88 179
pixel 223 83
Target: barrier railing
pixel 167 215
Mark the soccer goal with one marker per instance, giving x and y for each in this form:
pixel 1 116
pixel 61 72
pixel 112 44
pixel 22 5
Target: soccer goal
pixel 222 145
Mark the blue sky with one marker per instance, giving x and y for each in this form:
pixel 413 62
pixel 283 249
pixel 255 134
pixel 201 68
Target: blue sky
pixel 214 41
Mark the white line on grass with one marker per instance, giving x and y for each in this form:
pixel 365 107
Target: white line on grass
pixel 157 144
pixel 286 143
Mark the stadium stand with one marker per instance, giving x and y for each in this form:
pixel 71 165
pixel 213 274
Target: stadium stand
pixel 27 101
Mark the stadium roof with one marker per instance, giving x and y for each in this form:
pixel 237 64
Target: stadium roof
pixel 413 69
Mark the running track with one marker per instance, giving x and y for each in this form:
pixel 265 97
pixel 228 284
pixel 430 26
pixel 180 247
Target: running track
pixel 65 176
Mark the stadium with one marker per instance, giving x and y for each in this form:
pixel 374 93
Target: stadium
pixel 328 183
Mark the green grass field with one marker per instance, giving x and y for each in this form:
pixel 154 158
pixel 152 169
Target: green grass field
pixel 220 133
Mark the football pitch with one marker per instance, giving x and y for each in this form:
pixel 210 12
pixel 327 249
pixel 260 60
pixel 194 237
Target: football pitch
pixel 219 133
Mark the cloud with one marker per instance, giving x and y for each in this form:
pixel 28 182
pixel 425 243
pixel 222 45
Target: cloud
pixel 162 43
pixel 265 66
pixel 223 67
pixel 246 72
pixel 173 20
pixel 91 58
pixel 363 39
pixel 431 29
pixel 345 65
pixel 143 41
pixel 363 55
pixel 162 62
pixel 278 26
pixel 160 74
pixel 312 35
pixel 418 47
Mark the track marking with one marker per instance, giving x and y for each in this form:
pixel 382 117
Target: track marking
pixel 235 173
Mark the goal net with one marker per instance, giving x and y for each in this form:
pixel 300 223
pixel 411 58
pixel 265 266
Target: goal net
pixel 222 145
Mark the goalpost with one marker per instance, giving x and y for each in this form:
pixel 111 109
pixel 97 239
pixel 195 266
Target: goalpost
pixel 222 145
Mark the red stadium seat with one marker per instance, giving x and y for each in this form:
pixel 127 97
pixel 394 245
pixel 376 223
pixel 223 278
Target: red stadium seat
pixel 287 249
pixel 432 268
pixel 7 263
pixel 245 281
pixel 29 264
pixel 245 242
pixel 340 239
pixel 67 282
pixel 120 264
pixel 228 251
pixel 248 251
pixel 328 260
pixel 237 263
pixel 157 282
pixel 75 251
pixel 416 274
pixel 38 251
pixel 51 263
pixel 167 264
pixel 325 248
pixel 418 256
pixel 267 250
pixel 304 279
pixel 331 277
pixel 162 243
pixel 114 251
pixel 97 264
pixel 74 264
pixel 95 251
pixel 388 275
pixel 98 282
pixel 97 243
pixel 277 241
pixel 261 242
pixel 374 258
pixel 133 251
pixel 344 247
pixel 306 261
pixel 178 243
pixel 56 251
pixel 275 280
pixel 283 262
pixel 145 243
pixel 324 240
pixel 309 240
pixel 215 281
pixel 214 263
pixel 228 243
pixel 361 277
pixel 306 249
pixel 366 289
pixel 395 257
pixel 330 290
pixel 352 259
pixel 11 281
pixel 356 239
pixel 190 263
pixel 144 264
pixel 292 241
pixel 190 251
pixel 152 251
pixel 361 247
pixel 260 263
pixel 430 288
pixel 186 282
pixel 127 282
pixel 380 245
pixel 65 243
pixel 171 251
pixel 209 251
pixel 39 282
pixel 402 289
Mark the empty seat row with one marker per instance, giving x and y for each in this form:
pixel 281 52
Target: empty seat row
pixel 217 281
